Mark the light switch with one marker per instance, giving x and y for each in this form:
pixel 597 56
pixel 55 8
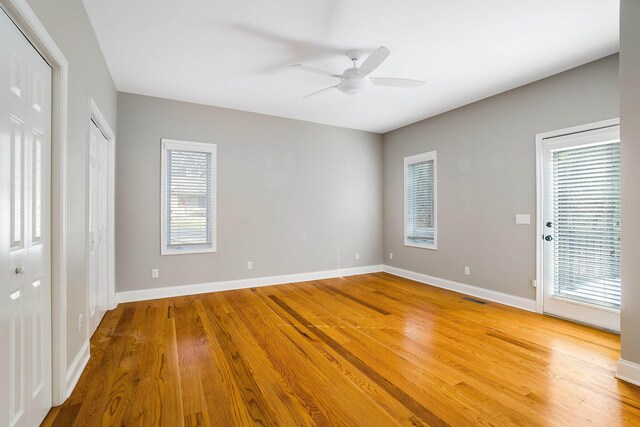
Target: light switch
pixel 523 219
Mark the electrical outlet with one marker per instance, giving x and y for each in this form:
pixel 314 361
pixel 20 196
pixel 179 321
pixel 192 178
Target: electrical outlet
pixel 534 283
pixel 80 317
pixel 357 255
pixel 390 255
pixel 249 265
pixel 154 273
pixel 467 271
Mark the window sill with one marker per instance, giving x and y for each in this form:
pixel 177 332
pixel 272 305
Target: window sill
pixel 417 245
pixel 185 251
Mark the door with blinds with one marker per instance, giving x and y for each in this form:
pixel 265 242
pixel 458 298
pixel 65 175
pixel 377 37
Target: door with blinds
pixel 581 226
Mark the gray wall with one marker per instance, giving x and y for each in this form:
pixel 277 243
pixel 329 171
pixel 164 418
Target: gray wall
pixel 68 24
pixel 486 174
pixel 630 136
pixel 292 197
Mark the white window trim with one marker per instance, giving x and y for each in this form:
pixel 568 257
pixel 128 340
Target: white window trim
pixel 172 144
pixel 423 157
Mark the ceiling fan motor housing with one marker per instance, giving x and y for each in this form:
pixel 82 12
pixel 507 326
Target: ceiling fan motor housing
pixel 352 82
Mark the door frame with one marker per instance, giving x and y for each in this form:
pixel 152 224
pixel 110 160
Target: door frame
pixel 540 137
pixel 98 118
pixel 26 20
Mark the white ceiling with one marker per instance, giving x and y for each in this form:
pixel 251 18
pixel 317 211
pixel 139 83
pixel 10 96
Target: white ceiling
pixel 237 53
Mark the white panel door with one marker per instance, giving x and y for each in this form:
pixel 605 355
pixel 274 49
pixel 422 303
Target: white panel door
pixel 98 257
pixel 581 227
pixel 25 237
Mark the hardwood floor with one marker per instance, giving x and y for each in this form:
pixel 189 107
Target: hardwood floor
pixel 371 350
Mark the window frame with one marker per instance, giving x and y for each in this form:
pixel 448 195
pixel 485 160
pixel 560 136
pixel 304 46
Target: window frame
pixel 202 147
pixel 409 160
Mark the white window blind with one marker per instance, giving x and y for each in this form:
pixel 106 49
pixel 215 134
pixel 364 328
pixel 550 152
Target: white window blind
pixel 420 200
pixel 586 212
pixel 188 197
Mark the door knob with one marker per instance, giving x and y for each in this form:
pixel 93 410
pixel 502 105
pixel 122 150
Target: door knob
pixel 548 238
pixel 19 270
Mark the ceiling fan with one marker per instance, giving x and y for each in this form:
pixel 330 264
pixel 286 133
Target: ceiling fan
pixel 356 79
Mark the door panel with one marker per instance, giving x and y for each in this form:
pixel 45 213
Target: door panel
pixel 25 279
pixel 17 374
pixel 16 188
pixel 581 227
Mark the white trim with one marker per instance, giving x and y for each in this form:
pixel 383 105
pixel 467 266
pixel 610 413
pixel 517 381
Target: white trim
pixel 417 158
pixel 474 291
pixel 76 368
pixel 539 139
pixel 539 224
pixel 203 147
pixel 577 129
pixel 628 371
pixel 103 125
pixel 595 321
pixel 202 288
pixel 24 17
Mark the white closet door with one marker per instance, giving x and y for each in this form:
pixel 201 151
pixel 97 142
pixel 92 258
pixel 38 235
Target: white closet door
pixel 98 257
pixel 25 238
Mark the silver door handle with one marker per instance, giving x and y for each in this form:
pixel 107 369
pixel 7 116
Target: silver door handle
pixel 19 270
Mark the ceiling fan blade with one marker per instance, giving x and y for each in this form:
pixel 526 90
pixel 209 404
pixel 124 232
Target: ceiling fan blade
pixel 373 61
pixel 390 81
pixel 315 70
pixel 319 92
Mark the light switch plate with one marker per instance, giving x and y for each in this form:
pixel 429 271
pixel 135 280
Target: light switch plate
pixel 523 219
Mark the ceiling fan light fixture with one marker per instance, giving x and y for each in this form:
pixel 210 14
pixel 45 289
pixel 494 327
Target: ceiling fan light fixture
pixel 353 85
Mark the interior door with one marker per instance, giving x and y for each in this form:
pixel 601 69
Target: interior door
pixel 98 256
pixel 25 238
pixel 581 227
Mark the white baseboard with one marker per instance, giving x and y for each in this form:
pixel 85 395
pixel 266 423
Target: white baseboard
pixel 475 291
pixel 202 288
pixel 77 366
pixel 628 371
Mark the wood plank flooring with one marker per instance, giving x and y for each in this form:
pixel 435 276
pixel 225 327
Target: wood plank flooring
pixel 369 350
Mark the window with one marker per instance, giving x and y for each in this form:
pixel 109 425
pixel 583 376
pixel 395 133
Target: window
pixel 420 222
pixel 188 197
pixel 586 224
